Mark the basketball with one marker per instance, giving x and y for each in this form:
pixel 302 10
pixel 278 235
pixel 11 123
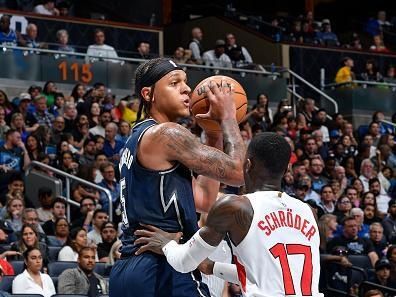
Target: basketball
pixel 199 103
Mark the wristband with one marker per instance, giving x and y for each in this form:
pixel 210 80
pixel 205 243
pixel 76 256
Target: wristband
pixel 226 271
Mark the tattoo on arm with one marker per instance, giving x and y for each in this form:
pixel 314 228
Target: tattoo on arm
pixel 202 159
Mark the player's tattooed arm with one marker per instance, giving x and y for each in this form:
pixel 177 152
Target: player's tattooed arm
pixel 180 145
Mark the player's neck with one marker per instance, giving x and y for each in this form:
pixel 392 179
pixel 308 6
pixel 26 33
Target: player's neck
pixel 266 187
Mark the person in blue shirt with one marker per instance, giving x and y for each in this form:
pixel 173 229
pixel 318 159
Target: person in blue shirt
pixel 7 35
pixel 108 172
pixel 112 147
pixel 167 174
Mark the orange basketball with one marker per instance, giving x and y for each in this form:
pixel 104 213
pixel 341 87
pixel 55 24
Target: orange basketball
pixel 199 103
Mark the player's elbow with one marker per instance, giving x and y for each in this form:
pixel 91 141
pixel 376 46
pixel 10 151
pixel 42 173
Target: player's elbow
pixel 183 265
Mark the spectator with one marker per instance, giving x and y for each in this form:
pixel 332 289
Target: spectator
pixel 29 239
pixel 381 197
pixel 390 74
pixel 256 118
pixel 62 37
pixel 112 146
pixel 30 216
pixel 238 54
pixel 88 156
pixel 310 148
pixel 108 232
pixel 41 115
pixel 99 129
pixel 382 274
pixel 64 8
pixel 195 45
pixel 13 214
pixel 13 153
pixel 45 199
pixel 47 8
pixel 373 293
pixel 389 222
pixel 378 240
pixel 371 73
pixel 366 173
pixel 217 57
pixel 124 131
pixel 311 195
pixel 327 199
pixel 378 45
pixel 69 117
pixel 30 39
pixel 100 50
pixel 108 182
pixel 308 110
pixel 87 208
pixel 33 147
pixel 83 280
pixel 75 242
pixel 7 35
pixel 3 125
pixel 99 218
pixel 21 107
pixel 321 117
pixel 327 37
pixel 62 232
pixel 363 229
pixel 343 209
pixel 143 51
pixel 316 170
pixel 351 193
pixel 345 74
pixel 58 211
pixel 115 253
pixel 354 244
pixel 370 214
pixel 327 225
pixel 31 280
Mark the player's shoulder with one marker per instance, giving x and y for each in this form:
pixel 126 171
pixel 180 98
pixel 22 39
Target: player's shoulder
pixel 232 203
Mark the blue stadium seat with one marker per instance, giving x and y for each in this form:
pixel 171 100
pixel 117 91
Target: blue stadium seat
pixel 27 295
pixel 69 295
pixel 5 247
pixel 19 266
pixel 360 261
pixel 55 281
pixel 53 252
pixel 6 283
pixel 362 131
pixel 56 268
pixel 103 269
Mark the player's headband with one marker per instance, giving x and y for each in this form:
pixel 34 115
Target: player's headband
pixel 155 73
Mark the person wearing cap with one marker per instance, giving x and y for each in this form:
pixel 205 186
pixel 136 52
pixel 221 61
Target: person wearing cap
pixel 345 74
pixel 216 57
pixel 382 274
pixel 108 231
pixel 21 106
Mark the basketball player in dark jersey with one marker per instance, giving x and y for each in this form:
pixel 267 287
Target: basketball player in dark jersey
pixel 167 175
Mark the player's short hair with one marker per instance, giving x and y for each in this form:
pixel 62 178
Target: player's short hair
pixel 271 151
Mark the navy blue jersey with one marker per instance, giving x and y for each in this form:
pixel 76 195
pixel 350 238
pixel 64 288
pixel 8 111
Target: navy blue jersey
pixel 160 198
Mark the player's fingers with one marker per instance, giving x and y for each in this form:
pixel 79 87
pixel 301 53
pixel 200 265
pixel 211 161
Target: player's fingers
pixel 213 87
pixel 142 232
pixel 140 250
pixel 209 93
pixel 142 240
pixel 202 116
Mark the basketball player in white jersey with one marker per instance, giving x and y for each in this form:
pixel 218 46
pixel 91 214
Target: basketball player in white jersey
pixel 274 237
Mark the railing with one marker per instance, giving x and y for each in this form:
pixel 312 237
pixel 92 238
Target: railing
pixel 293 91
pixel 301 98
pixel 362 83
pixel 75 178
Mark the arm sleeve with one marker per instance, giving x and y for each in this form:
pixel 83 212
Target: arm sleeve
pixel 186 257
pixel 66 254
pixel 226 271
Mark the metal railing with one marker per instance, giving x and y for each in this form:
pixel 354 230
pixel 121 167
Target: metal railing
pixel 362 83
pixel 70 177
pixel 301 98
pixel 295 76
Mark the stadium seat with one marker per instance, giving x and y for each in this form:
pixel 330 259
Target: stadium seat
pixel 103 269
pixel 5 247
pixel 26 295
pixel 19 266
pixel 360 261
pixel 362 131
pixel 69 295
pixel 53 252
pixel 6 283
pixel 55 281
pixel 56 268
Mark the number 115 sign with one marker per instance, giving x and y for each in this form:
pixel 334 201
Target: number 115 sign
pixel 77 72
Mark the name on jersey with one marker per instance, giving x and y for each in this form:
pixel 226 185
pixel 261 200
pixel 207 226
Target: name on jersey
pixel 126 159
pixel 286 219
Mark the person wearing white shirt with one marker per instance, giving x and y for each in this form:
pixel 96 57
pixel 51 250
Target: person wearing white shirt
pixel 99 218
pixel 100 50
pixel 217 57
pixel 31 280
pixel 47 8
pixel 76 241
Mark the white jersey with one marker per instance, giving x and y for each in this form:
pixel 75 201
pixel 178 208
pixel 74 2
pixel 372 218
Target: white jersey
pixel 280 254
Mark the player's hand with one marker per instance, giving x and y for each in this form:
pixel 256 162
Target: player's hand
pixel 206 267
pixel 222 105
pixel 154 239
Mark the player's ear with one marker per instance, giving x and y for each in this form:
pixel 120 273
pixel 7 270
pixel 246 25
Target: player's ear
pixel 145 92
pixel 248 165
